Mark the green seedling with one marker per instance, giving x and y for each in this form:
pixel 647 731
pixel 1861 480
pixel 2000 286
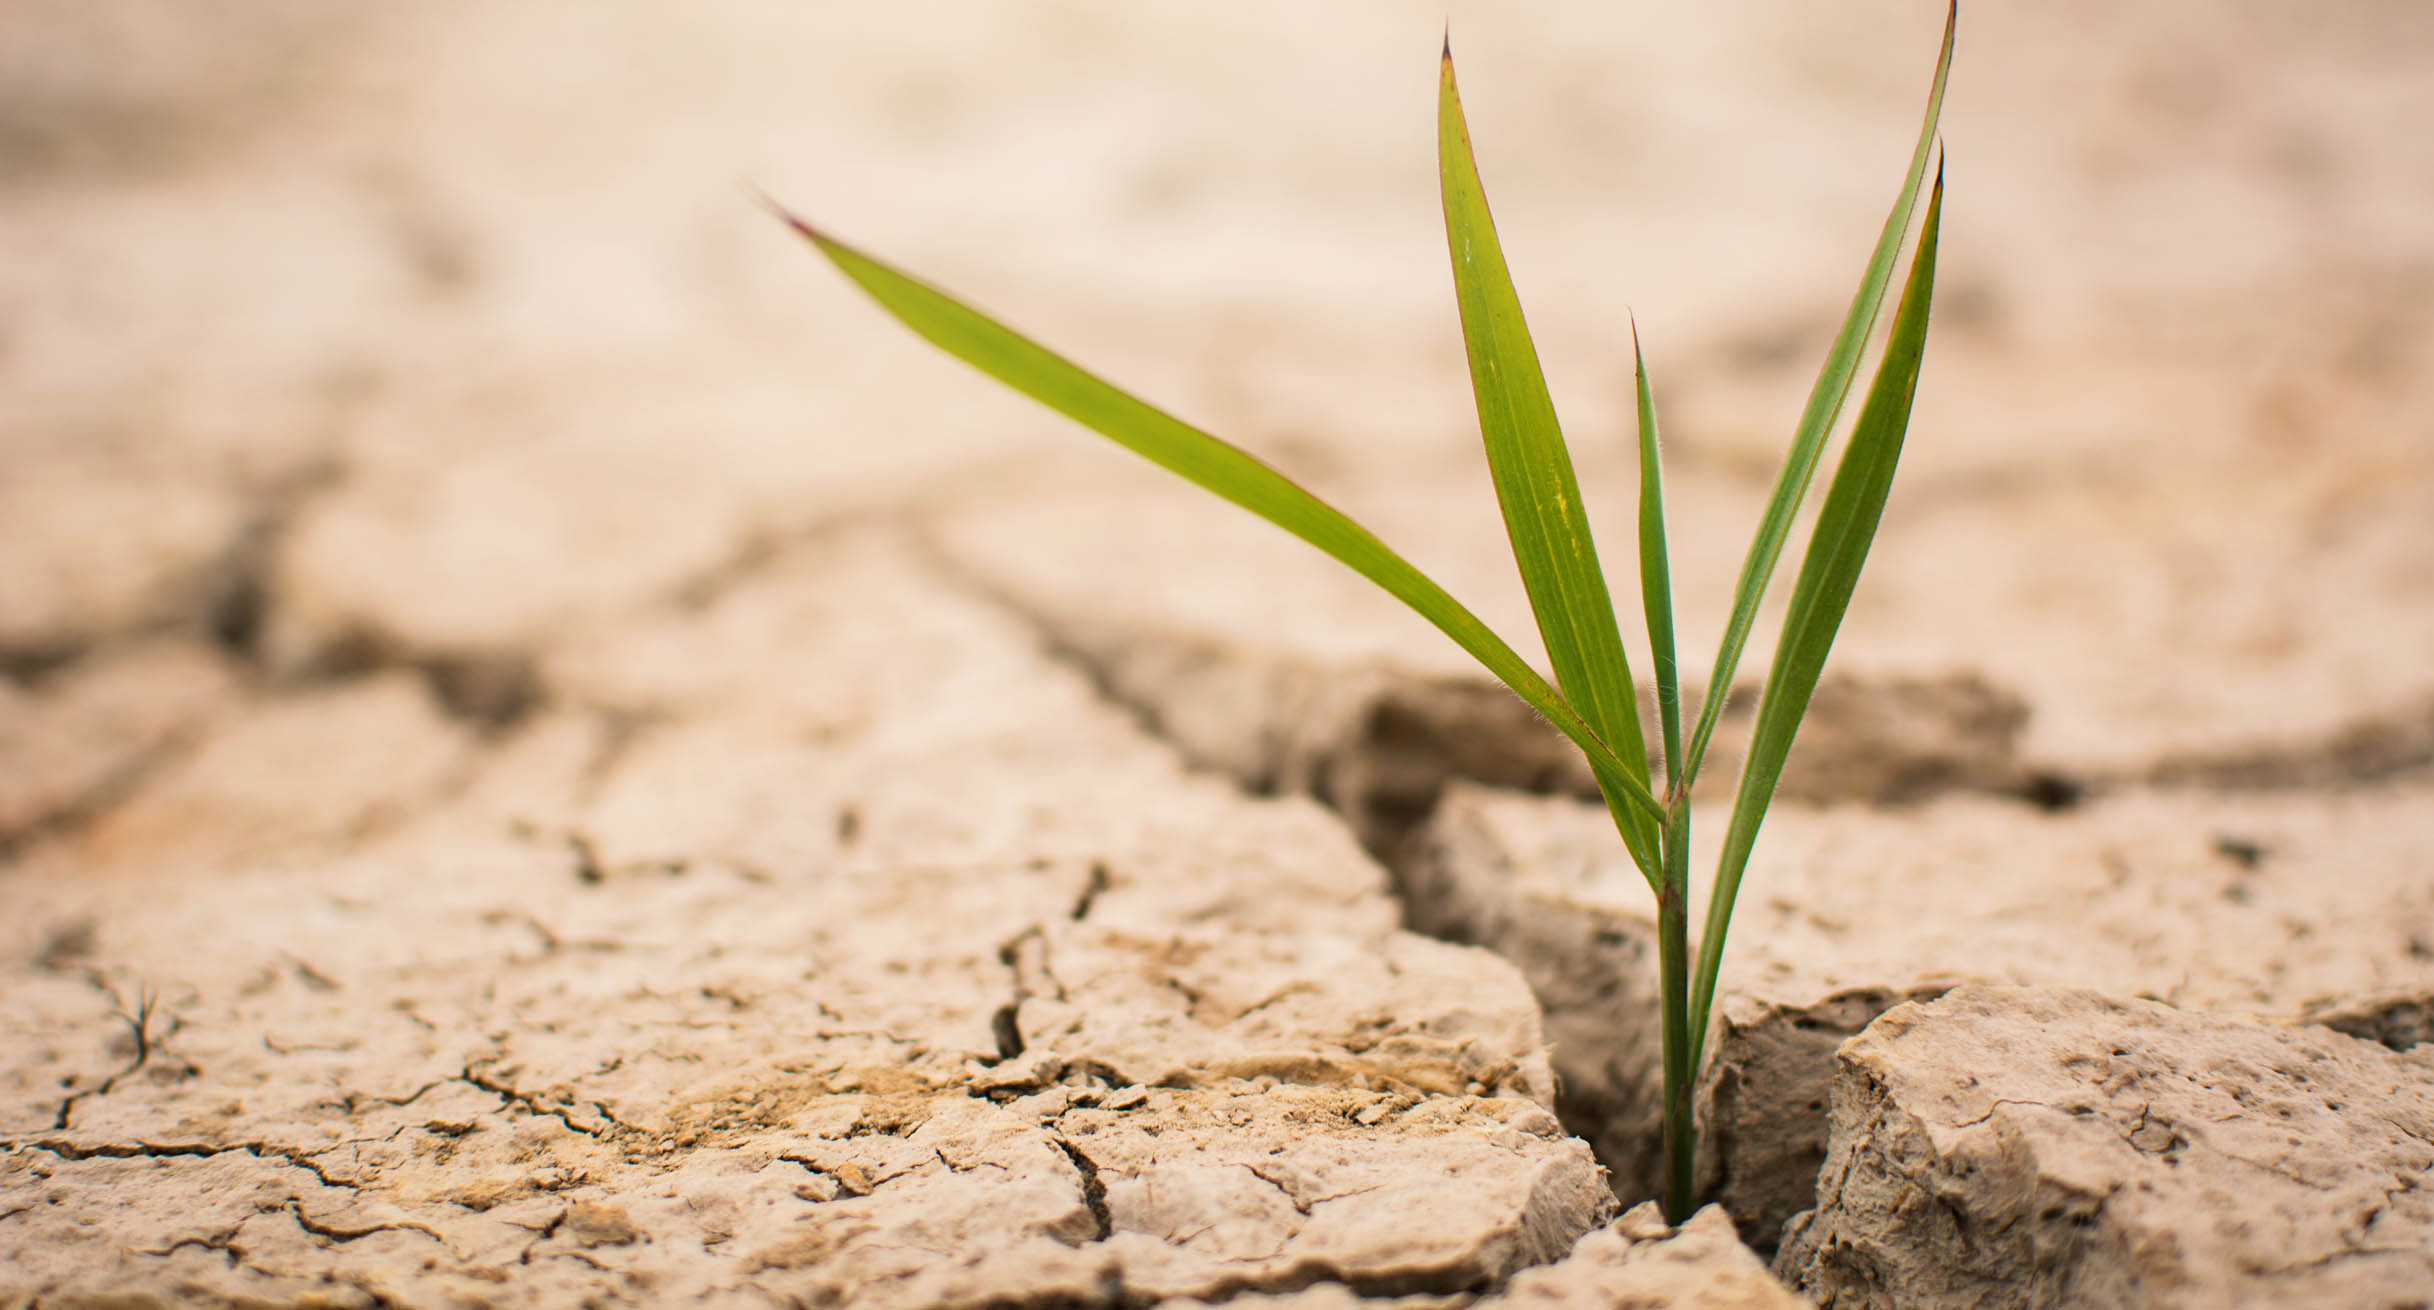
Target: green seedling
pixel 1592 699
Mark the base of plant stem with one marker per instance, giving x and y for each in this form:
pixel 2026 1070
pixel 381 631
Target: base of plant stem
pixel 1680 1055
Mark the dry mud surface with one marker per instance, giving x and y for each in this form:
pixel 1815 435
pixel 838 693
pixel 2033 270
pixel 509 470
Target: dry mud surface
pixel 548 756
pixel 2008 1147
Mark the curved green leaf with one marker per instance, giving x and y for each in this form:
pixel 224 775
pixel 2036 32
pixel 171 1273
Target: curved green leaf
pixel 1838 547
pixel 1535 485
pixel 1656 578
pixel 1817 420
pixel 1050 379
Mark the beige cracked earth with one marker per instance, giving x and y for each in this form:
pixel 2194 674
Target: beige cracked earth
pixel 549 756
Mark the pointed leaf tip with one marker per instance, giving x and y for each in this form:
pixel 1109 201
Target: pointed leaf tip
pixel 1824 408
pixel 1537 488
pixel 787 216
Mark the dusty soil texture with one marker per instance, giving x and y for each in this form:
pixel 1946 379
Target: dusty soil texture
pixel 2019 1147
pixel 549 756
pixel 1636 1261
pixel 2301 907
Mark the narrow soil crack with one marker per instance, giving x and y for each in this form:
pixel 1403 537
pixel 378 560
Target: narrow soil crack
pixel 1292 1197
pixel 267 1151
pixel 491 690
pixel 223 600
pixel 1095 887
pixel 532 1103
pixel 146 1043
pixel 337 1234
pixel 27 663
pixel 1025 957
pixel 1094 1191
pixel 1315 1273
pixel 224 1242
pixel 232 596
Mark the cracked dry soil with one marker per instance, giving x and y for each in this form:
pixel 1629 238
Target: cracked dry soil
pixel 548 759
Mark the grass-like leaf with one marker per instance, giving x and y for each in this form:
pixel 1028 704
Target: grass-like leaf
pixel 1050 379
pixel 1656 577
pixel 1817 419
pixel 1838 546
pixel 1535 484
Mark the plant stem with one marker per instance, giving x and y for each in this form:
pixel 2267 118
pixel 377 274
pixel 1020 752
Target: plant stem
pixel 1673 970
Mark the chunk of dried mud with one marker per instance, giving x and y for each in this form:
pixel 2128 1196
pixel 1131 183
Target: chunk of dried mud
pixel 1640 1261
pixel 1634 1263
pixel 2026 1147
pixel 1214 1192
pixel 1197 1008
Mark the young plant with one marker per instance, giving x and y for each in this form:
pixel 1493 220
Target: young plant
pixel 1592 700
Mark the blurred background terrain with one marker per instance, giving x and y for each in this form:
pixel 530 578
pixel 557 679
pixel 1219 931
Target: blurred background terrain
pixel 424 336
